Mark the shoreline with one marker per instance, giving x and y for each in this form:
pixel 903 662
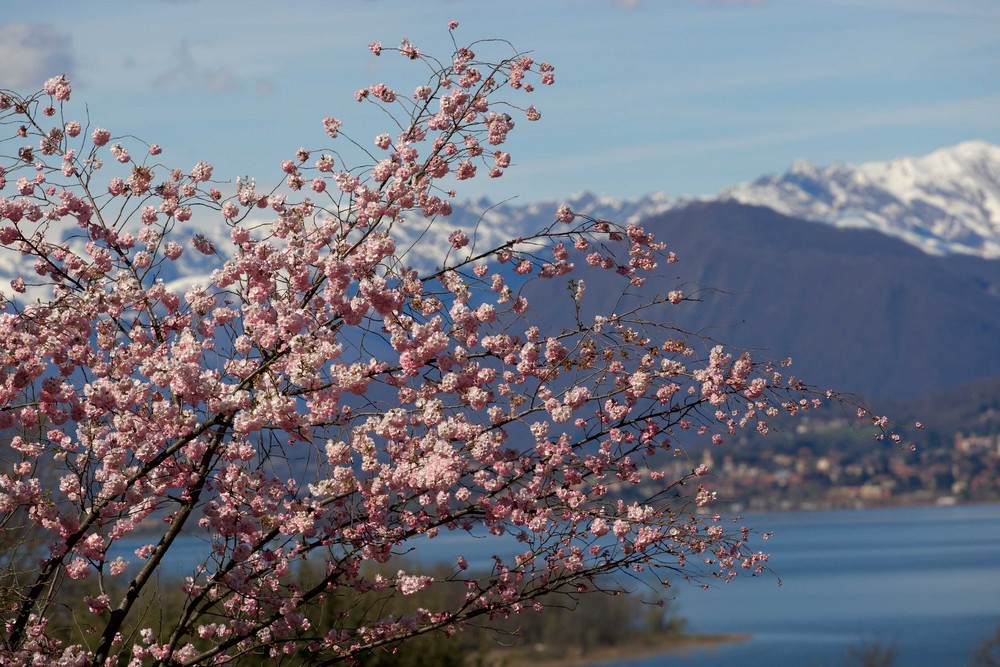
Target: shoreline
pixel 642 647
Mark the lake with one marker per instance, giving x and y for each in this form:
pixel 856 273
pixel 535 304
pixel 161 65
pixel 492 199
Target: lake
pixel 924 580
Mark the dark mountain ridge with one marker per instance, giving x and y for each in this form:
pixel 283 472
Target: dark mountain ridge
pixel 856 310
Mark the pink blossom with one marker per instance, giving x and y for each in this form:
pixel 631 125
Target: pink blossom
pixel 201 172
pixel 120 153
pixel 78 568
pixel 332 126
pixel 118 566
pixel 59 87
pixel 97 604
pixel 117 187
pixel 408 50
pixel 410 584
pixel 173 250
pixel 465 170
pixel 318 400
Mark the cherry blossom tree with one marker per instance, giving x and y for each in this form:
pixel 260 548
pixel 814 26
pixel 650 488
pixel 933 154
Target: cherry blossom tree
pixel 323 396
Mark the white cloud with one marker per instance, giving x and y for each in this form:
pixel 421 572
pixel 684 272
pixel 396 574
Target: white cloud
pixel 186 72
pixel 755 3
pixel 30 53
pixel 964 9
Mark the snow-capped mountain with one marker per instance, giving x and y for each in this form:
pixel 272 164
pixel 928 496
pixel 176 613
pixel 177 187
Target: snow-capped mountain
pixel 943 203
pixel 947 202
pixel 491 225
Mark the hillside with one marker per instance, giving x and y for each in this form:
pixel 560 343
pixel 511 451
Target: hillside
pixel 855 309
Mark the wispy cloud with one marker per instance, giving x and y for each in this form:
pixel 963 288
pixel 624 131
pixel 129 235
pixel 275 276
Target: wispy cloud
pixel 634 4
pixel 32 52
pixel 186 72
pixel 756 3
pixel 964 9
pixel 972 113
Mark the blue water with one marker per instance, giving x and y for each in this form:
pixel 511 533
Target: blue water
pixel 923 580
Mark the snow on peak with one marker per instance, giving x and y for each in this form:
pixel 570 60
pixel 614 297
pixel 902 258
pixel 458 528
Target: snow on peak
pixel 945 202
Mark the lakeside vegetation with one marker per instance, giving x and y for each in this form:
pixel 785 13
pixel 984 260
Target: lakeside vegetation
pixel 563 629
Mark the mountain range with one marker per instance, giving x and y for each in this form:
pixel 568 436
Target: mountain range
pixel 947 202
pixel 881 278
pixel 943 203
pixel 856 310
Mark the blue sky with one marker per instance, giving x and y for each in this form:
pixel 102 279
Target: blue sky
pixel 678 96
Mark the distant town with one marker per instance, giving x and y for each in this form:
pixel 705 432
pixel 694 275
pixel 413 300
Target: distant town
pixel 829 464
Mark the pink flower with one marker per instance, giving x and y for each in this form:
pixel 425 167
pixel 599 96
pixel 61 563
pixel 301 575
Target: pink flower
pixel 118 566
pixel 120 153
pixel 202 244
pixel 332 126
pixel 230 210
pixel 201 172
pixel 116 187
pixel 172 250
pixel 100 136
pixel 97 604
pixel 408 50
pixel 466 170
pixel 59 87
pixel 408 584
pixel 78 568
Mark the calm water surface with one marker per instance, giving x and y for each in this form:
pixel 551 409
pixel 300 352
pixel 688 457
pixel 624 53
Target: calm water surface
pixel 924 580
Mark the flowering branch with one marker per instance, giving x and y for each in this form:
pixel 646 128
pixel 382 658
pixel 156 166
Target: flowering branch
pixel 325 397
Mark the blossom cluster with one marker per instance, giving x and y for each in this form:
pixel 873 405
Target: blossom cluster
pixel 316 398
